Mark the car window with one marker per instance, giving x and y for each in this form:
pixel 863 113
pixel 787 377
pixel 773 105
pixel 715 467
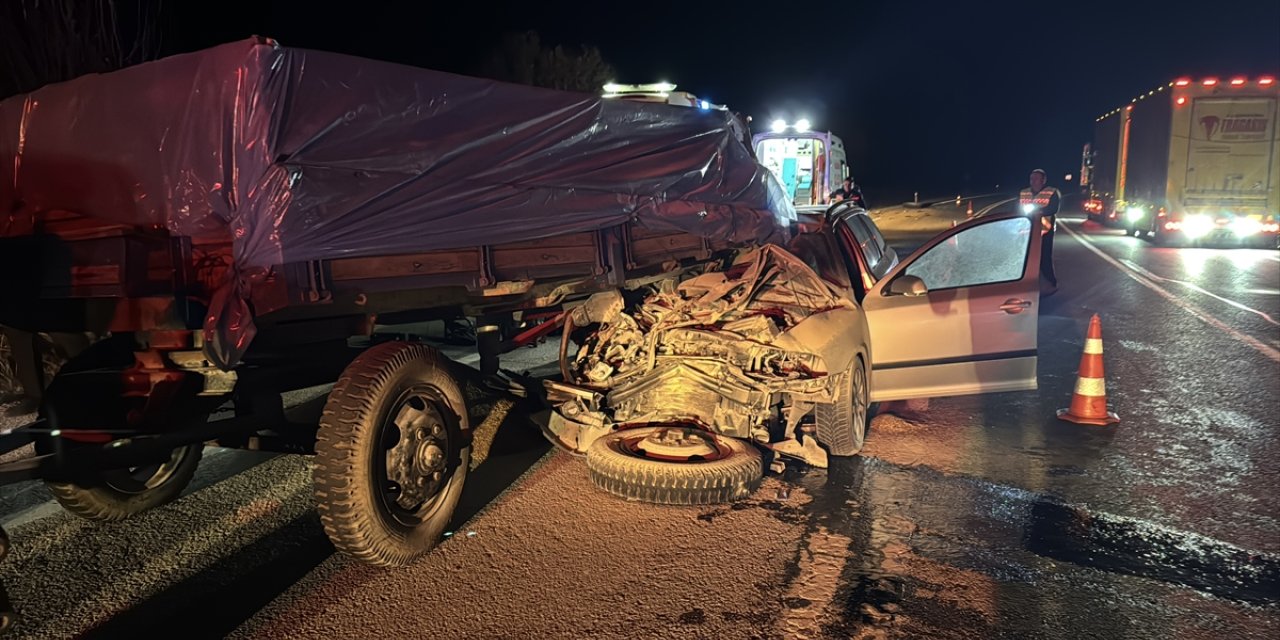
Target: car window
pixel 884 261
pixel 866 244
pixel 878 238
pixel 985 254
pixel 816 251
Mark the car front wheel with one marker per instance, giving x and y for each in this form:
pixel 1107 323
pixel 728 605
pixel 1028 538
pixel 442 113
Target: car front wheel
pixel 842 425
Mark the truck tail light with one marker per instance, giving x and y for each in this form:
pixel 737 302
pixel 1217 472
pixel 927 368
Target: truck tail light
pixel 1172 225
pixel 1181 100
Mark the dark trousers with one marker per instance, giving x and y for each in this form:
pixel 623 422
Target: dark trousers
pixel 1046 259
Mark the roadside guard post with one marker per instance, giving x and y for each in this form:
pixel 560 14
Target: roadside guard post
pixel 1089 402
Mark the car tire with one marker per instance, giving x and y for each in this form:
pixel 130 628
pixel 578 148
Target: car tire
pixel 391 458
pixel 842 425
pixel 118 494
pixel 618 464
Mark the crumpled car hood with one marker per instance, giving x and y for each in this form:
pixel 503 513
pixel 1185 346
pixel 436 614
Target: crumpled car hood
pixel 718 350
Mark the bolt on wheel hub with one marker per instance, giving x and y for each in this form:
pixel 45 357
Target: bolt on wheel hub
pixel 678 443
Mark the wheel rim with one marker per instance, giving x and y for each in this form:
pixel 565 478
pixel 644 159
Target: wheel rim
pixel 860 402
pixel 136 480
pixel 414 459
pixel 674 444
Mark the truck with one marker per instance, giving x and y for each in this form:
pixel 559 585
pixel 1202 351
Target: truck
pixel 809 164
pixel 1195 161
pixel 250 219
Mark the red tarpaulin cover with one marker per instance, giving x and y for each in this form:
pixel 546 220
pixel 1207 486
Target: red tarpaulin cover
pixel 301 155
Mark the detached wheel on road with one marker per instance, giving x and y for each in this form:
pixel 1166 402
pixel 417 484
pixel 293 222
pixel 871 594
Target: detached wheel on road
pixel 842 425
pixel 391 454
pixel 119 493
pixel 674 465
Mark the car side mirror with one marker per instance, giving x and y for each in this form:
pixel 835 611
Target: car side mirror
pixel 908 286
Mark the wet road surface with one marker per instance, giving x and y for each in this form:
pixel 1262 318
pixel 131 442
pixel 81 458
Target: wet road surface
pixel 978 517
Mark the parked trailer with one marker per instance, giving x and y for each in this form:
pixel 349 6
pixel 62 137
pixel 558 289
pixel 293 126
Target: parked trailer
pixel 238 221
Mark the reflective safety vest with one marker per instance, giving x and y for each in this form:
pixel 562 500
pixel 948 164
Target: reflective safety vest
pixel 1039 201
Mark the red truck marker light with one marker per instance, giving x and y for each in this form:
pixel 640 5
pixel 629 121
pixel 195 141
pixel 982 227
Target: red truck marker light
pixel 1266 82
pixel 1181 82
pixel 1237 82
pixel 1181 100
pixel 1209 82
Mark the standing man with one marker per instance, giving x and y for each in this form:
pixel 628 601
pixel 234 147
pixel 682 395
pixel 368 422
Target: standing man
pixel 849 191
pixel 1044 200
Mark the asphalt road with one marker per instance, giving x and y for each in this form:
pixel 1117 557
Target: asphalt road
pixel 974 518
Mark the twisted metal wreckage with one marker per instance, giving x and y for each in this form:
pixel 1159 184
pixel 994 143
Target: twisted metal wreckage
pixel 724 351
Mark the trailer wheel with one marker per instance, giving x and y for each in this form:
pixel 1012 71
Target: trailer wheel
pixel 119 493
pixel 391 454
pixel 842 425
pixel 674 465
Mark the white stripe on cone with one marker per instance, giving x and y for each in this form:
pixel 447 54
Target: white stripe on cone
pixel 1091 387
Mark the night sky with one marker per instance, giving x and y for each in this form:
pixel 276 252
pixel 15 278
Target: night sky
pixel 936 97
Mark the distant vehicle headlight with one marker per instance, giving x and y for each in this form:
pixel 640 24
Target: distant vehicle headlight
pixel 1246 226
pixel 1028 209
pixel 1197 225
pixel 1134 214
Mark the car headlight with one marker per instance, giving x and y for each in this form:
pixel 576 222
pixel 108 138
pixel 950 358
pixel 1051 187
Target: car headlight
pixel 1246 226
pixel 1197 225
pixel 1028 209
pixel 1134 214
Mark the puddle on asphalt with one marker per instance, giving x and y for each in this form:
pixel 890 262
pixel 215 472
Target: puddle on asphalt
pixel 1133 547
pixel 967 529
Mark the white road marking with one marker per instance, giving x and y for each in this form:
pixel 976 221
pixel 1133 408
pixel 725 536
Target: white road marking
pixel 1258 345
pixel 1198 289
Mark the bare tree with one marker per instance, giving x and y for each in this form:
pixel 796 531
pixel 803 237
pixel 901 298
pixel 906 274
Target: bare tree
pixel 524 59
pixel 44 41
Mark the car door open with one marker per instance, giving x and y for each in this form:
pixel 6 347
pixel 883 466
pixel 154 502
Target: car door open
pixel 959 316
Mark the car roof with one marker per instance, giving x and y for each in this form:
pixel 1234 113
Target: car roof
pixel 811 216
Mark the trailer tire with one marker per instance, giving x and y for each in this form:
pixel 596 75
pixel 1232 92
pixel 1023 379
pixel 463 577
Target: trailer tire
pixel 842 425
pixel 616 467
pixel 116 495
pixel 392 432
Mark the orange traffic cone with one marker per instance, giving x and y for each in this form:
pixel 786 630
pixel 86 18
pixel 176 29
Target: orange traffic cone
pixel 1089 402
pixel 969 213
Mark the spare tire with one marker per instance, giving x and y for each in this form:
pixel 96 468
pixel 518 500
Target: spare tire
pixel 674 465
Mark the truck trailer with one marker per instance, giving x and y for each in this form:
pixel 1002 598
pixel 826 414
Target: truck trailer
pixel 1192 162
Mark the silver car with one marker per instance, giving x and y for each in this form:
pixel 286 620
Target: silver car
pixel 786 347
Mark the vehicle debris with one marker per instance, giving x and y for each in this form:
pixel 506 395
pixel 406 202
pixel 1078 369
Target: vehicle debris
pixel 744 352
